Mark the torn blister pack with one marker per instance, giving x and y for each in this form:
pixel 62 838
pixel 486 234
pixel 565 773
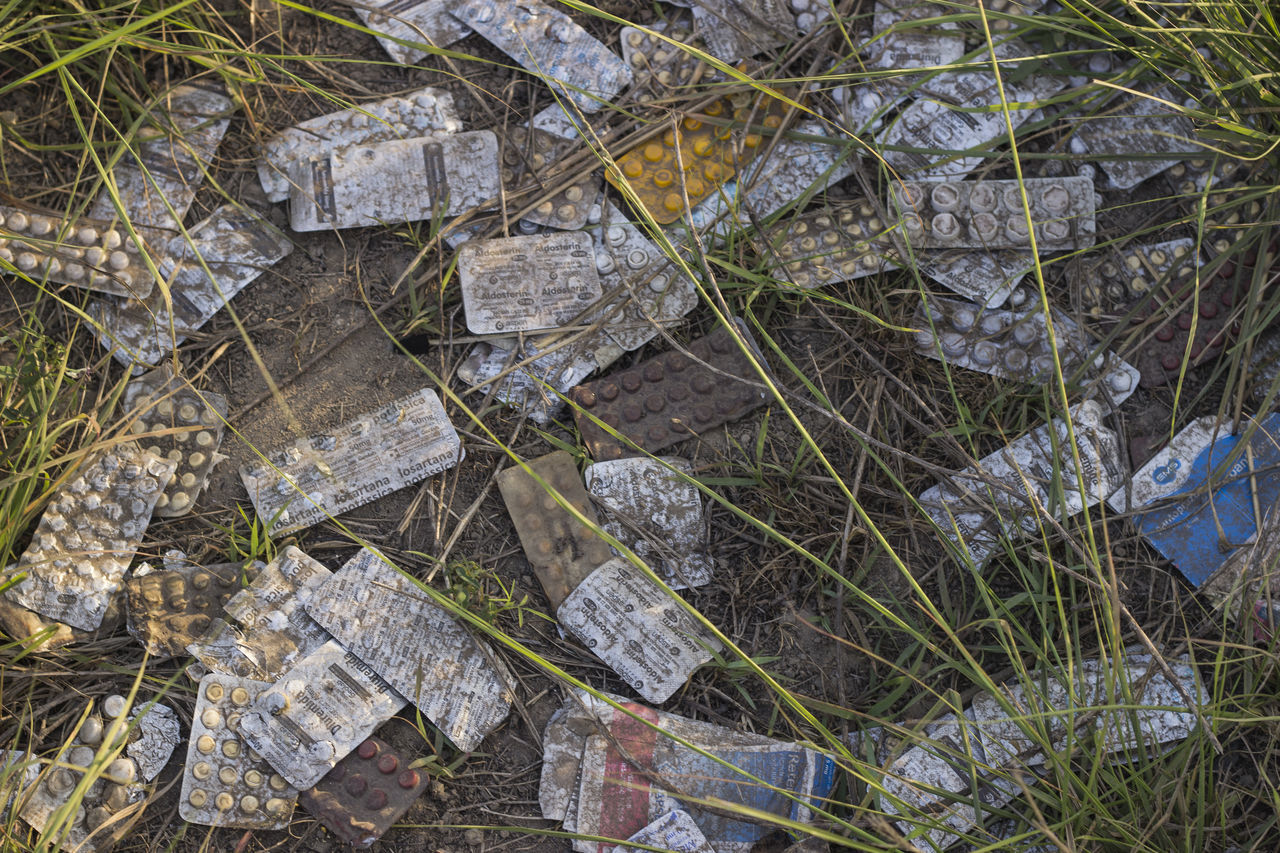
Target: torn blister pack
pixel 1111 279
pixel 316 713
pixel 275 630
pixel 674 831
pixel 1009 489
pixel 529 155
pixel 1016 345
pixel 650 506
pixel 419 21
pixel 660 66
pixel 737 29
pixel 368 791
pixel 988 278
pixel 677 395
pixel 546 42
pixel 400 180
pixel 94 254
pixel 224 783
pixel 176 148
pixel 217 259
pixel 181 424
pixel 170 608
pixel 89 534
pixel 521 284
pixel 373 455
pixel 838 242
pixel 991 214
pixel 426 112
pixel 1127 129
pixel 422 651
pixel 562 550
pixel 977 87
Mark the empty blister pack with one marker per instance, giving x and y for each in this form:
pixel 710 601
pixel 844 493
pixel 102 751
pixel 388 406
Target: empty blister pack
pixel 313 716
pixel 674 831
pixel 180 424
pixel 1127 130
pixel 834 243
pixel 561 549
pixel 1011 487
pixel 671 397
pixel 991 214
pixel 234 245
pixel 1189 178
pixel 400 180
pixel 171 608
pixel 425 112
pixel 368 791
pixel 1016 345
pixel 94 254
pixel 152 736
pixel 528 155
pixel 941 132
pixel 390 623
pixel 420 21
pixel 661 68
pixel 988 278
pixel 657 513
pixel 157 187
pixel 521 284
pixel 737 29
pixel 548 43
pixel 88 535
pixel 223 783
pixel 402 443
pixel 1113 278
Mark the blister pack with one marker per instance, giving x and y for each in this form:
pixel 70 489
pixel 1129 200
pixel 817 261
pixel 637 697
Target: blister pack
pixel 562 551
pixel 88 535
pixel 988 278
pixel 400 444
pixel 943 132
pixel 1112 279
pixel 171 608
pixel 834 243
pixel 1129 128
pixel 422 21
pixel 400 180
pixel 657 514
pixel 674 831
pixel 426 112
pixel 152 737
pixel 95 254
pixel 223 783
pixel 521 284
pixel 1189 178
pixel 391 624
pixel 527 155
pixel 660 68
pixel 548 43
pixel 737 29
pixel 671 397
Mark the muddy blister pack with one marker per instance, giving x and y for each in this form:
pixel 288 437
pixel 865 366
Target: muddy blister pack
pixel 177 423
pixel 561 549
pixel 1010 487
pixel 833 243
pixel 275 631
pixel 170 608
pixel 1124 132
pixel 988 278
pixel 660 68
pixel 657 513
pixel 88 535
pixel 224 783
pixel 522 284
pixel 420 21
pixel 674 831
pixel 367 792
pixel 426 112
pixel 314 715
pixel 737 29
pixel 943 132
pixel 634 625
pixel 234 245
pixel 395 627
pixel 399 180
pixel 991 215
pixel 397 445
pixel 157 187
pixel 530 154
pixel 976 87
pixel 1016 345
pixel 1111 279
pixel 94 254
pixel 547 43
pixel 671 397
pixel 1189 178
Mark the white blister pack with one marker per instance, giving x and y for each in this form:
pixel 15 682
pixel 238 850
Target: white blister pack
pixel 737 29
pixel 935 126
pixel 94 254
pixel 421 21
pixel 988 278
pixel 523 284
pixel 1130 128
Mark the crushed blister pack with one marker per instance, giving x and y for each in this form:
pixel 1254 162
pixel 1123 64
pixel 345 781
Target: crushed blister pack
pixel 943 132
pixel 89 534
pixel 1110 280
pixel 661 69
pixel 976 86
pixel 737 29
pixel 650 508
pixel 235 245
pixel 1129 128
pixel 224 783
pixel 370 456
pixel 422 21
pixel 399 180
pixel 547 42
pixel 153 735
pixel 527 154
pixel 561 549
pixel 326 705
pixel 430 658
pixel 171 608
pixel 988 278
pixel 834 243
pixel 1010 487
pixel 522 284
pixel 1015 344
pixel 367 792
pixel 991 215
pixel 425 112
pixel 182 425
pixel 156 189
pixel 94 254
pixel 671 397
